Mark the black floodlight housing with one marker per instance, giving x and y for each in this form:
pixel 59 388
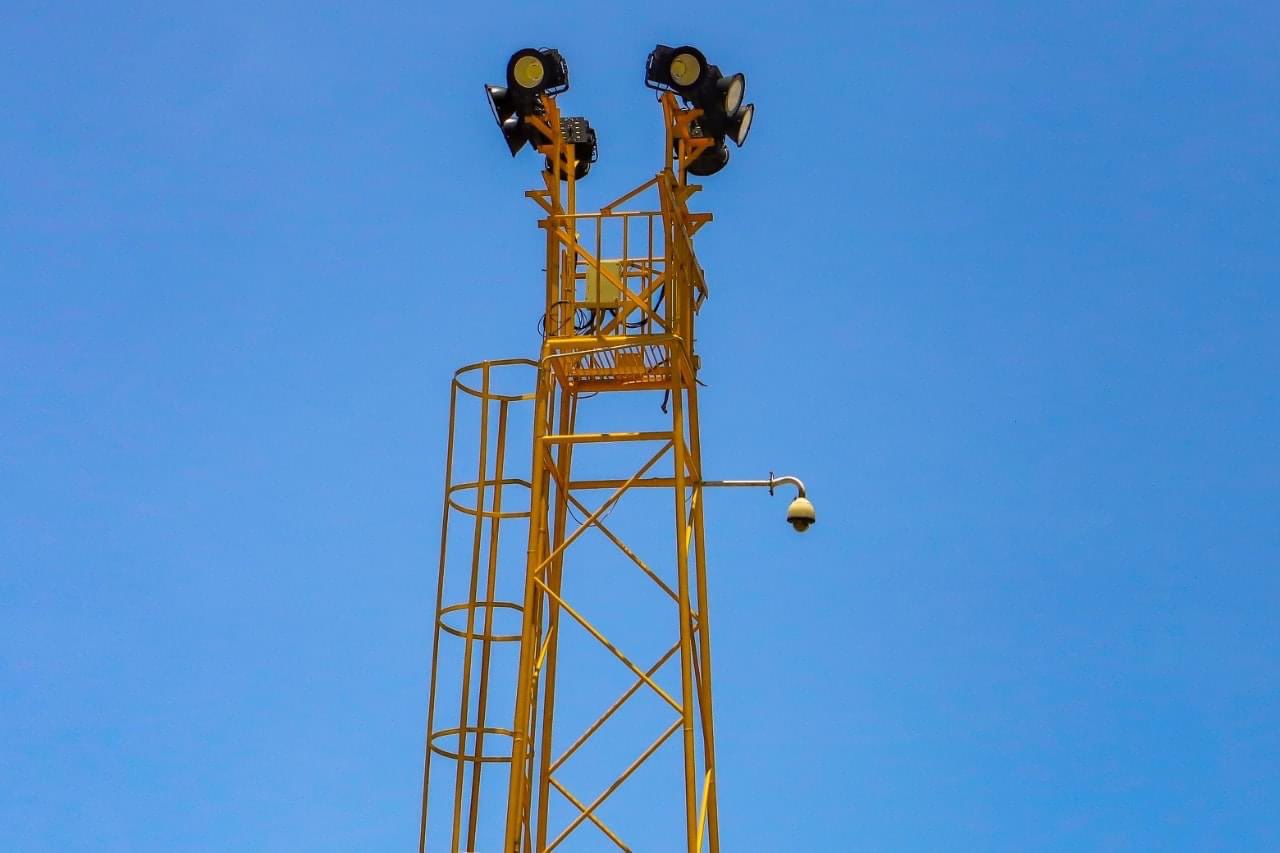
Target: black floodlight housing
pixel 509 111
pixel 531 72
pixel 538 71
pixel 676 69
pixel 577 132
pixel 710 161
pixel 739 124
pixel 731 90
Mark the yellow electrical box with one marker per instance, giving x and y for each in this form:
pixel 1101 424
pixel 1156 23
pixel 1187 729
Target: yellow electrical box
pixel 601 292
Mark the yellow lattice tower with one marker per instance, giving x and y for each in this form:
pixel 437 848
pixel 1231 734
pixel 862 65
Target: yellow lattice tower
pixel 623 289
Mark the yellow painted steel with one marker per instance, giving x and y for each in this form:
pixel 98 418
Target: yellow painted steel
pixel 621 303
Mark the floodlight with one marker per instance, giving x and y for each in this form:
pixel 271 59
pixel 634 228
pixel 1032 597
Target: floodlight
pixel 732 89
pixel 680 69
pixel 531 72
pixel 538 71
pixel 578 134
pixel 710 161
pixel 739 124
pixel 508 114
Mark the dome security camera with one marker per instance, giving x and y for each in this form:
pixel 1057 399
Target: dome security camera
pixel 800 514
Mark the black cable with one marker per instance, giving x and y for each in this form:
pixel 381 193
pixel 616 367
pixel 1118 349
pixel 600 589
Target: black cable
pixel 657 305
pixel 542 321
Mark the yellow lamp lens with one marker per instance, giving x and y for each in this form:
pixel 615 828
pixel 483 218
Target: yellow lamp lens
pixel 529 72
pixel 685 69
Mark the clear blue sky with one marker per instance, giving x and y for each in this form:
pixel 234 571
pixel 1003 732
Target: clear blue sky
pixel 1000 280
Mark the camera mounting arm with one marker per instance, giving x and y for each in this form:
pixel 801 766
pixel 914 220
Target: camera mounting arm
pixel 767 484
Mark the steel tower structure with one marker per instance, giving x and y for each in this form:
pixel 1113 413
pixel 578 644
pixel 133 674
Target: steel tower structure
pixel 623 291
